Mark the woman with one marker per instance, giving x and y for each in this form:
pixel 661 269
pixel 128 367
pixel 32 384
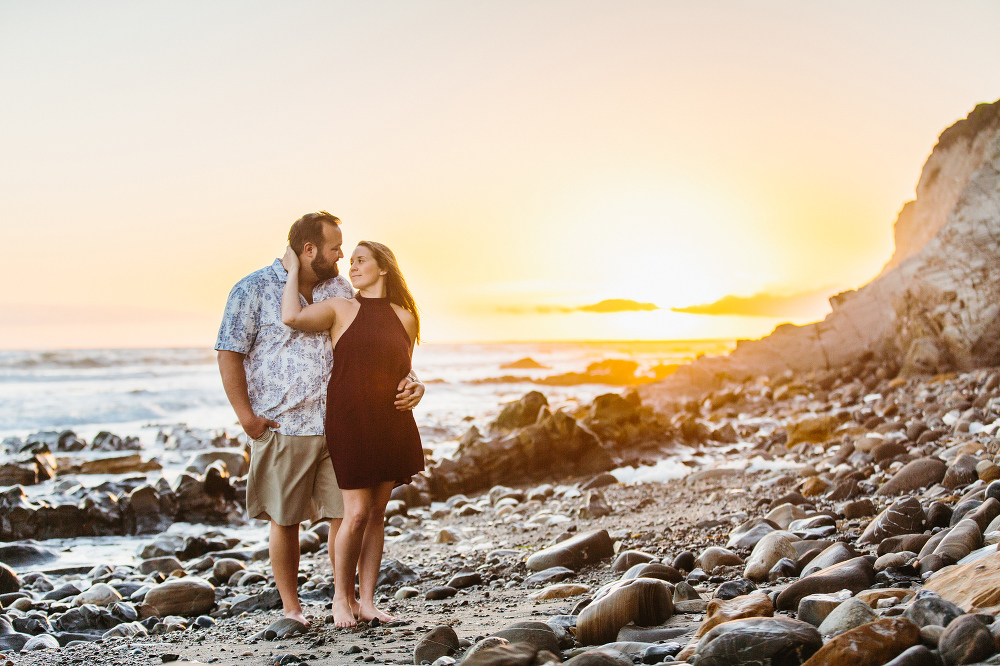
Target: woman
pixel 373 445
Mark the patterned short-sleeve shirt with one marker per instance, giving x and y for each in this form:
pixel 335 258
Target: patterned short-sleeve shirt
pixel 287 370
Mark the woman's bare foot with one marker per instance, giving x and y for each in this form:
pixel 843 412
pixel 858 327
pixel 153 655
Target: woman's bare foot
pixel 369 613
pixel 355 608
pixel 343 615
pixel 297 616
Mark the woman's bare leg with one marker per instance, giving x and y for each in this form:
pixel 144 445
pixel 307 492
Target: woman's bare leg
pixel 370 559
pixel 332 549
pixel 347 543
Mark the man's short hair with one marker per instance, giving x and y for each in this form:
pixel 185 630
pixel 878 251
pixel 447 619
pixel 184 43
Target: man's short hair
pixel 309 229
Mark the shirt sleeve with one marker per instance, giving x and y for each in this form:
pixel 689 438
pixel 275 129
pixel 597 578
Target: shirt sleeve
pixel 335 287
pixel 240 321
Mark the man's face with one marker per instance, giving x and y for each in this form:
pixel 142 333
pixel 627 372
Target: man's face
pixel 324 264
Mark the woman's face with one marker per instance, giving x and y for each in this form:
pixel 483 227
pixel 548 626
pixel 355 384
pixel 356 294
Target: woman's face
pixel 364 270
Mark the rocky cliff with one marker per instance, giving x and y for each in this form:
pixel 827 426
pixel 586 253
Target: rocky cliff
pixel 934 307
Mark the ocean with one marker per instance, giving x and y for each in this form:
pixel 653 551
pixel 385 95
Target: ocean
pixel 143 392
pixel 139 392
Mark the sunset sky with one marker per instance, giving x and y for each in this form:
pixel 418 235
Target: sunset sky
pixel 524 159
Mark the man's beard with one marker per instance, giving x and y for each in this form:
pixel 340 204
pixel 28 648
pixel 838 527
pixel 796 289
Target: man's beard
pixel 324 270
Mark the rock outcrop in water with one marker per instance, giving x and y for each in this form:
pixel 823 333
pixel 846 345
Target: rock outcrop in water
pixel 935 306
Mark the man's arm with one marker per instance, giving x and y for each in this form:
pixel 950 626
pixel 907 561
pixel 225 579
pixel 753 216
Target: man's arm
pixel 234 381
pixel 409 392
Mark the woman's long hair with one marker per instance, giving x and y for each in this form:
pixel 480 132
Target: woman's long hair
pixel 395 284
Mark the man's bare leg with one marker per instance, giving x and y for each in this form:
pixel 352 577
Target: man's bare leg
pixel 348 547
pixel 283 548
pixel 370 560
pixel 332 549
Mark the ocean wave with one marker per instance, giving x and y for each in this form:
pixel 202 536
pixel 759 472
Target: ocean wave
pixel 87 359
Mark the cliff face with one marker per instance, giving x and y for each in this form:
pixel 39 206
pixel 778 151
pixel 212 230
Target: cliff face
pixel 936 304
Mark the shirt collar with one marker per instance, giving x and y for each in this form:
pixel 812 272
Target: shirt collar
pixel 279 270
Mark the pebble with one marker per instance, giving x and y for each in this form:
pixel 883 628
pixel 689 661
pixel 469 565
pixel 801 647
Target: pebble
pixel 846 616
pixel 574 552
pixel 768 551
pixel 644 601
pixel 719 611
pixel 560 591
pixel 871 644
pixel 856 574
pixel 757 640
pixel 183 596
pixel 714 557
pixel 438 642
pixel 967 640
pixel 438 593
pixel 814 608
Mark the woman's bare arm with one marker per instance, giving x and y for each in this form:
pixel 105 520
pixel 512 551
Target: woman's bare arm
pixel 316 317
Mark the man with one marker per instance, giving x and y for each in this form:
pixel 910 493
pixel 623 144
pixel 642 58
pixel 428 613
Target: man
pixel 276 378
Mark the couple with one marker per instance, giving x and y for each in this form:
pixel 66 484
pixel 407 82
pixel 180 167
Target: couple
pixel 320 379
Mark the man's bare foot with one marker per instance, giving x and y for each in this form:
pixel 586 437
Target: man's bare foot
pixel 342 614
pixel 297 616
pixel 369 613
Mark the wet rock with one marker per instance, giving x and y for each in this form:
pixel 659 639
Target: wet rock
pixel 846 616
pixel 560 591
pixel 684 592
pixel 505 655
pixel 629 558
pixel 768 551
pixel 872 644
pixel 465 579
pixel 855 575
pixel 920 473
pixel 894 560
pixel 163 565
pixel 758 640
pixel 814 608
pixel 632 633
pixel 783 514
pixel 859 509
pixel 734 588
pixel 9 582
pixel 25 554
pixel 961 472
pixel 904 516
pixel 41 642
pixel 438 642
pixel 224 568
pixel 126 630
pixel 248 603
pixel 654 570
pixel 574 552
pixel 309 542
pixel 100 594
pixel 537 634
pixel 11 640
pixel 594 506
pixel 600 481
pixel 930 609
pixel 184 596
pixel 237 461
pixel 438 593
pixel 715 557
pixel 644 601
pixel 918 655
pixel 783 568
pixel 685 561
pixel 719 611
pixel 747 535
pixel 985 513
pixel 955 544
pixel 394 572
pixel 966 640
pixel 833 554
pixel 843 490
pixel 548 576
pixel 600 657
pixel 909 542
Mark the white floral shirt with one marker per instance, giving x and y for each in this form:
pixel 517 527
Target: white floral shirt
pixel 287 370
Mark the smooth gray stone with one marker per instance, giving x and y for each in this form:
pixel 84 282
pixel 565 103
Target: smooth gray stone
pixel 758 640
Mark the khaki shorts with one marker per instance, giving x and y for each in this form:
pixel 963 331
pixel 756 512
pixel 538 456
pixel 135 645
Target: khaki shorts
pixel 292 480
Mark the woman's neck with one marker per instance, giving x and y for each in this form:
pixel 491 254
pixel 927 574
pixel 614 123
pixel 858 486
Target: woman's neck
pixel 376 290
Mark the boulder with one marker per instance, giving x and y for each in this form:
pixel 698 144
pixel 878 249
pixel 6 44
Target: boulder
pixel 186 596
